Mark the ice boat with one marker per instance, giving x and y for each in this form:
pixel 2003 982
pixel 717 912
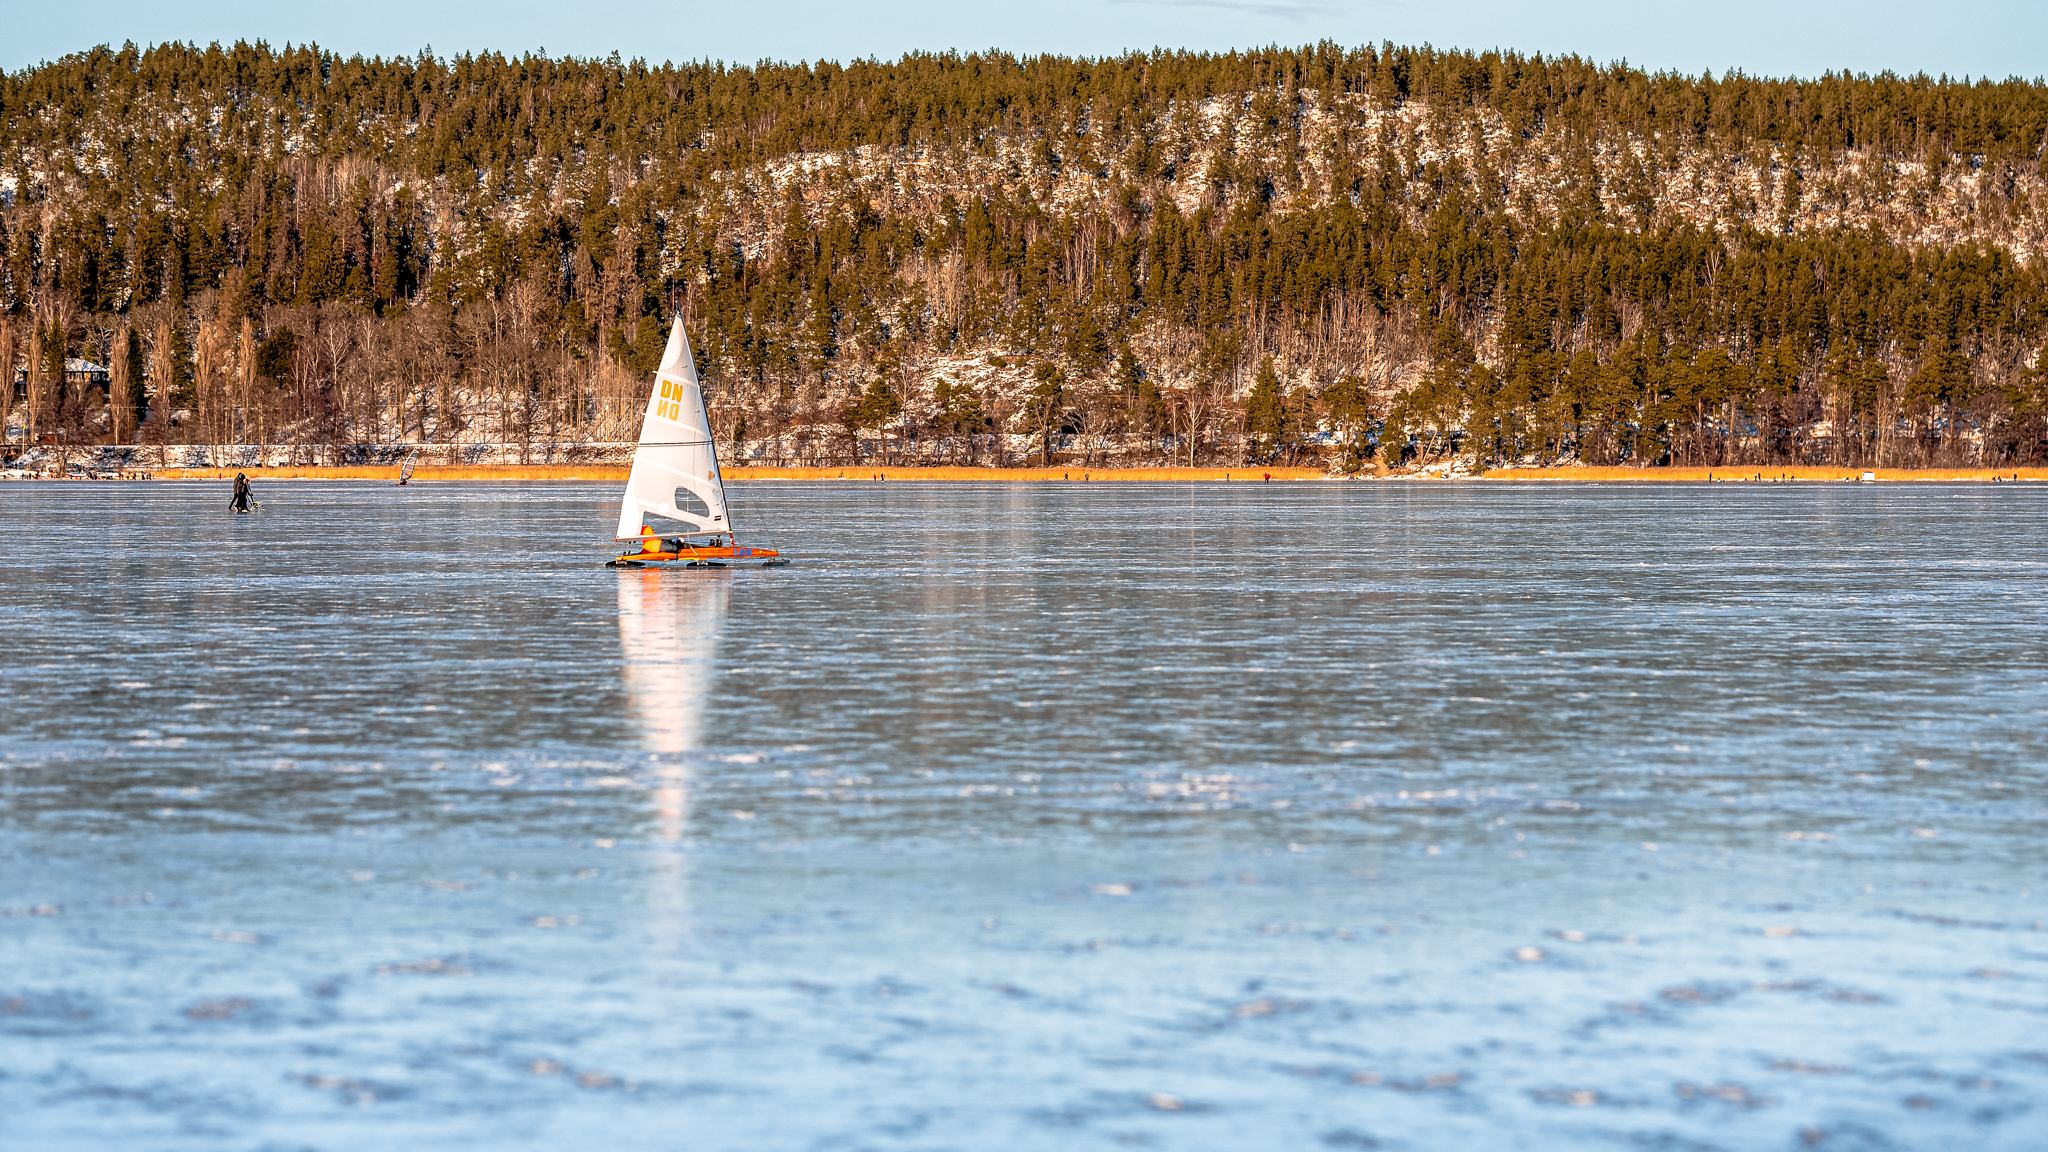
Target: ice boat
pixel 674 509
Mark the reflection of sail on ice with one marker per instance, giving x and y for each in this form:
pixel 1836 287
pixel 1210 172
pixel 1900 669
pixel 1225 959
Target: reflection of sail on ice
pixel 668 629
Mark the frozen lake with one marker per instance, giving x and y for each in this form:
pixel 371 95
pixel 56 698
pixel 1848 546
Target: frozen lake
pixel 1033 816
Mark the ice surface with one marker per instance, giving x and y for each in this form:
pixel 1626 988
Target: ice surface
pixel 1449 816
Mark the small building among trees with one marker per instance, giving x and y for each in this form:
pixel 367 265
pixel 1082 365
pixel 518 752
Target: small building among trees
pixel 77 374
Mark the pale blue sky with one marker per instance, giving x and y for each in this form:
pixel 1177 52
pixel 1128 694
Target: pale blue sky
pixel 1763 37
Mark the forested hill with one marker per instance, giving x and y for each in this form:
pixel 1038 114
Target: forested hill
pixel 1384 255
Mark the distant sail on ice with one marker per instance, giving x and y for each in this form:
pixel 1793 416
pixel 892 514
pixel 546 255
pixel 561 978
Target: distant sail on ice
pixel 675 474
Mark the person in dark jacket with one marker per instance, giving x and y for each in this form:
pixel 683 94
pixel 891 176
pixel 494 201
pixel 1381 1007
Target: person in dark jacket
pixel 241 501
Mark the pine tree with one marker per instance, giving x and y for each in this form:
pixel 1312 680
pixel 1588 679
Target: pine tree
pixel 1265 411
pixel 1045 408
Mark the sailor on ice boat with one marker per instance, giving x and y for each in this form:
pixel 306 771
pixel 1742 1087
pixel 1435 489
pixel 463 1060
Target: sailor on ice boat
pixel 674 506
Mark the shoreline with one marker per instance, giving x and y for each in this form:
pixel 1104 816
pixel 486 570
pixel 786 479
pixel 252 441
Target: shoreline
pixel 388 474
pixel 872 474
pixel 1754 474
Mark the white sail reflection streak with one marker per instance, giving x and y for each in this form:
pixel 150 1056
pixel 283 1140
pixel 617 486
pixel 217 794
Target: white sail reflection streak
pixel 669 624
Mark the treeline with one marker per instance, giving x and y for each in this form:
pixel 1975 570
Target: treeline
pixel 1284 253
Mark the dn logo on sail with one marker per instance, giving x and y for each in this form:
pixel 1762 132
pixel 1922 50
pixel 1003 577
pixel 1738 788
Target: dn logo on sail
pixel 671 405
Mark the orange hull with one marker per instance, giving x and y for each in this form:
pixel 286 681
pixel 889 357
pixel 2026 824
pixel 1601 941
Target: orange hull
pixel 724 552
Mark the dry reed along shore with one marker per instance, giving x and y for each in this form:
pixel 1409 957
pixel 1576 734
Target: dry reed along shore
pixel 617 472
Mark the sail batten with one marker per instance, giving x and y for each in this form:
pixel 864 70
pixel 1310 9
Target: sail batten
pixel 675 455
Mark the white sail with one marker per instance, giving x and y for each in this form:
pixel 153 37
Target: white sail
pixel 675 469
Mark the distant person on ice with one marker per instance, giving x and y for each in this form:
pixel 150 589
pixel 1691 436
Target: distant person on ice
pixel 241 501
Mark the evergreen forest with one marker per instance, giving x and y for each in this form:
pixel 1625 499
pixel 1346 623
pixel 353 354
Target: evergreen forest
pixel 1373 257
